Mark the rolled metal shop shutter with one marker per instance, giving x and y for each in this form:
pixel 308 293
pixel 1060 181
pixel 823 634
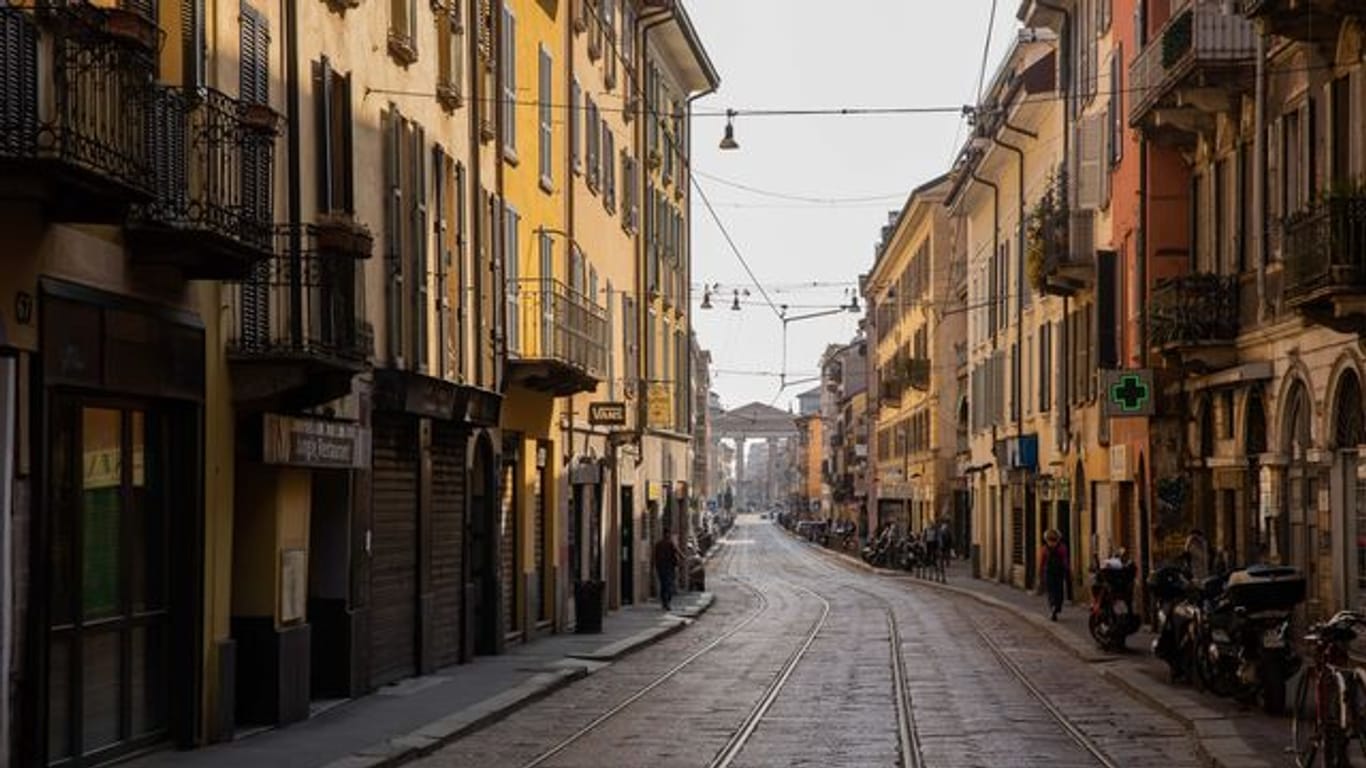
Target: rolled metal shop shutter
pixel 393 568
pixel 448 545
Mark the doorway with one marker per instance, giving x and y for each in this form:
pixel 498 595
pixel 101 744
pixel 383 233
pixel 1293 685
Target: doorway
pixel 628 545
pixel 482 553
pixel 120 662
pixel 329 575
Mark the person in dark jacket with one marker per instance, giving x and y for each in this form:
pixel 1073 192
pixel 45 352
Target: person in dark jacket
pixel 1056 569
pixel 668 557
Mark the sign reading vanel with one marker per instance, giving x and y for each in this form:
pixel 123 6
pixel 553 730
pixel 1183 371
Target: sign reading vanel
pixel 608 414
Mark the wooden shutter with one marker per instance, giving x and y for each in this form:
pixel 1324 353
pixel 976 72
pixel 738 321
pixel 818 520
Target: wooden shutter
pixel 421 312
pixel 391 124
pixel 343 148
pixel 192 42
pixel 323 149
pixel 1091 170
pixel 1107 314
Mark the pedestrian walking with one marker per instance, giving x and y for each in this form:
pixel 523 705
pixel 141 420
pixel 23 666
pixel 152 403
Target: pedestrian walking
pixel 668 557
pixel 1056 569
pixel 1196 555
pixel 946 540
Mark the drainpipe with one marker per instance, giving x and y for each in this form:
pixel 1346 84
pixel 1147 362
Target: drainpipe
pixel 1016 388
pixel 995 249
pixel 295 202
pixel 1259 206
pixel 1064 87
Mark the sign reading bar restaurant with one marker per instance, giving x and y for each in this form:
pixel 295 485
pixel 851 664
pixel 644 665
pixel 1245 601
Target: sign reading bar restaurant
pixel 302 442
pixel 608 414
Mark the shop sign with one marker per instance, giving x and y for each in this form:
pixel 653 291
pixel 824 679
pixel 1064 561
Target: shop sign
pixel 302 442
pixel 1127 393
pixel 607 414
pixel 661 411
pixel 1119 463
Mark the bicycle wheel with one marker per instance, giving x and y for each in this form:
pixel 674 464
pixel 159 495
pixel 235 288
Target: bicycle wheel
pixel 1304 724
pixel 1355 753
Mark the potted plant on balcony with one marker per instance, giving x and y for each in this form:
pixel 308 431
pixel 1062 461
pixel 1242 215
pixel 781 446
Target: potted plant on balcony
pixel 338 232
pixel 258 118
pixel 131 27
pixel 1036 237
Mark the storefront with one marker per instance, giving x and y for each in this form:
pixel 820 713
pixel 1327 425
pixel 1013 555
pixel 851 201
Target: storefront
pixel 114 569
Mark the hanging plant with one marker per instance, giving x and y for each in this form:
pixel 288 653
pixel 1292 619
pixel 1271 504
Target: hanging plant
pixel 1036 236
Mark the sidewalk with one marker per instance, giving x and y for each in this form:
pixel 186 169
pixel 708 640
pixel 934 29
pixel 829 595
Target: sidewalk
pixel 1229 735
pixel 415 716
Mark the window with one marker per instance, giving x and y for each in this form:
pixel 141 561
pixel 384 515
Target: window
pixel 1045 369
pixel 611 343
pixel 450 56
pixel 254 88
pixel 508 73
pixel 609 168
pixel 546 246
pixel 406 239
pixel 630 337
pixel 1291 163
pixel 448 177
pixel 650 323
pixel 332 143
pixel 575 126
pixel 403 31
pixel 1116 105
pixel 511 230
pixel 1341 107
pixel 630 205
pixel 593 131
pixel 544 145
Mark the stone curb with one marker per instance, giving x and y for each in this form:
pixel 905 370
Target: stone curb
pixel 1232 753
pixel 405 748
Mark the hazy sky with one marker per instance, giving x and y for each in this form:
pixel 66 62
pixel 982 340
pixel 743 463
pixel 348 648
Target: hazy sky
pixel 806 54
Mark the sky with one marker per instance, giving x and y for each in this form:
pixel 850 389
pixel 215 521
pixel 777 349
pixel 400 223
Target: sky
pixel 808 254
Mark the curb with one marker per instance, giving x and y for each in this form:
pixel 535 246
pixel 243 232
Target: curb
pixel 1085 653
pixel 404 748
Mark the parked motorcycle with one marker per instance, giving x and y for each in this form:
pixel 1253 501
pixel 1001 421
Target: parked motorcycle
pixel 1243 632
pixel 1111 584
pixel 1179 601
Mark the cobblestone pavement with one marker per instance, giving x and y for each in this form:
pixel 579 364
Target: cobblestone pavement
pixel 794 667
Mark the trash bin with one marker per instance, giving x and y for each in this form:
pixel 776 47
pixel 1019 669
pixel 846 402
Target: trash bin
pixel 588 606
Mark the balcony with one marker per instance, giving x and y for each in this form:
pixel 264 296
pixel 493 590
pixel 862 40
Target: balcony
pixel 75 81
pixel 557 339
pixel 1325 260
pixel 1191 69
pixel 1061 255
pixel 1194 320
pixel 213 158
pixel 1310 21
pixel 297 330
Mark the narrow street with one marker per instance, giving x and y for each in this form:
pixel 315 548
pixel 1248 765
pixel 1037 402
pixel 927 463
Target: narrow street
pixel 793 666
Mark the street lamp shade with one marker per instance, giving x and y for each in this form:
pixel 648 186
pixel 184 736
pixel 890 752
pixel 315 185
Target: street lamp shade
pixel 706 299
pixel 735 305
pixel 728 141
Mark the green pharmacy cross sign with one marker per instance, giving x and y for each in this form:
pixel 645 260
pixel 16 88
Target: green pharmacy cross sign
pixel 1128 393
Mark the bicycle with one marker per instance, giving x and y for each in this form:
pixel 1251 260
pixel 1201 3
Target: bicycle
pixel 1330 703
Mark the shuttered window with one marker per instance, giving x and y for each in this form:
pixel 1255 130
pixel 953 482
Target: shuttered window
pixel 575 126
pixel 192 41
pixel 447 178
pixel 391 124
pixel 507 71
pixel 450 56
pixel 609 168
pixel 253 88
pixel 593 132
pixel 545 143
pixel 332 140
pixel 630 205
pixel 611 342
pixel 403 31
pixel 418 271
pixel 630 328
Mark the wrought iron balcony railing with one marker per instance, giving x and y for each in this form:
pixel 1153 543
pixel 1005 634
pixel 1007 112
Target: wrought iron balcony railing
pixel 553 324
pixel 308 309
pixel 1193 311
pixel 1198 39
pixel 213 158
pixel 1325 249
pixel 75 85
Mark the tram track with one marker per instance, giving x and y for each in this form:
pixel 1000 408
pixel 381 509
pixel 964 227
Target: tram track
pixel 657 682
pixel 911 756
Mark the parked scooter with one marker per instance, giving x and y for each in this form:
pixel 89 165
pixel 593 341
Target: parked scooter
pixel 1111 584
pixel 1179 602
pixel 1243 632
